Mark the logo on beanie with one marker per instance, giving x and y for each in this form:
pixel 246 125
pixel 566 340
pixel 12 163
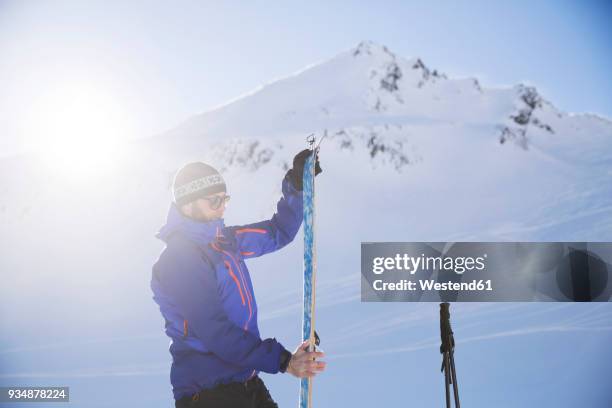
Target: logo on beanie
pixel 197 185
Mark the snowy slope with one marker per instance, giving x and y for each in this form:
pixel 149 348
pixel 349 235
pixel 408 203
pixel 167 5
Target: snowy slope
pixel 525 164
pixel 409 155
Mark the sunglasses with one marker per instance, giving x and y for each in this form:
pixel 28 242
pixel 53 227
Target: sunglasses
pixel 215 202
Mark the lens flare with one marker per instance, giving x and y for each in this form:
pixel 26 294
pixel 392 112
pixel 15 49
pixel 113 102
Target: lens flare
pixel 81 131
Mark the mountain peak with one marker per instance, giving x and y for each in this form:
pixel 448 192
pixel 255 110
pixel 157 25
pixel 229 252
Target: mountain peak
pixel 369 94
pixel 368 47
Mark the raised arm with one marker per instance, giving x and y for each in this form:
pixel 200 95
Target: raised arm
pixel 270 235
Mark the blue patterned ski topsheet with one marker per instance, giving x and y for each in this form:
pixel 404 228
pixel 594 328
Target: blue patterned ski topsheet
pixel 308 195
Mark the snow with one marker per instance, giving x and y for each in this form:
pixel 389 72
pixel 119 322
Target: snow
pixel 417 159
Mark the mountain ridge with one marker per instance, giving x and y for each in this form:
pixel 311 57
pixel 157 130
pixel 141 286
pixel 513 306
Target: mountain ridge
pixel 359 93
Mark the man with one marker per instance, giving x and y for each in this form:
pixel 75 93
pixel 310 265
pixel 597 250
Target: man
pixel 203 288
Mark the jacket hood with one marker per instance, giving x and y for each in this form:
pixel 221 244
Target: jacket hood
pixel 201 232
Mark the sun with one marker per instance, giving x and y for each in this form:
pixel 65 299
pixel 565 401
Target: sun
pixel 81 130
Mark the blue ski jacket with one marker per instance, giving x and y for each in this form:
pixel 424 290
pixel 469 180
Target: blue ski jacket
pixel 203 288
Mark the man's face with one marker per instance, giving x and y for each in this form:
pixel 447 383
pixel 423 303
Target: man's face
pixel 203 209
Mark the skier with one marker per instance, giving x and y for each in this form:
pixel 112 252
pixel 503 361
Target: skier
pixel 203 288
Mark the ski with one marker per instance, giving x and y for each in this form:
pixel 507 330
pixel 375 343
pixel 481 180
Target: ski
pixel 308 332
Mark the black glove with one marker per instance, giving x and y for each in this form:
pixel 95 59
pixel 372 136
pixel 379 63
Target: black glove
pixel 296 174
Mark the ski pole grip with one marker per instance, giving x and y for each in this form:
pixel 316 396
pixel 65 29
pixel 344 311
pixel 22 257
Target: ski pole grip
pixel 445 328
pixel 445 312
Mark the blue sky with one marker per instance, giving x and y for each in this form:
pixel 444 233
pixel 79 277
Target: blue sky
pixel 159 63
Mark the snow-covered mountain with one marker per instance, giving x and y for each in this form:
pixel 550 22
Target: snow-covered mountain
pixel 499 163
pixel 409 154
pixel 367 97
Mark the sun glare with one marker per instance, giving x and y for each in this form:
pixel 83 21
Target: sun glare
pixel 81 130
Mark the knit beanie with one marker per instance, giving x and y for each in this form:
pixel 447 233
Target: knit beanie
pixel 196 180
